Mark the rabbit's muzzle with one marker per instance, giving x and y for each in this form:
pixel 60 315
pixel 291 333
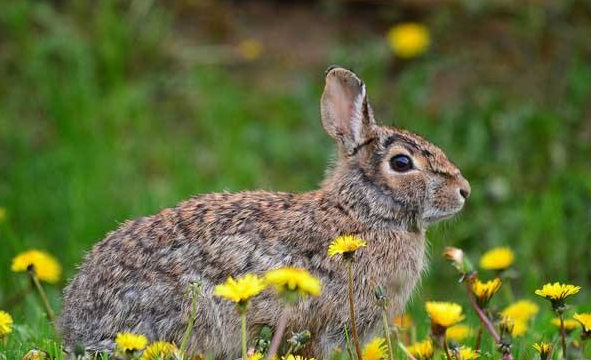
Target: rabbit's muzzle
pixel 445 198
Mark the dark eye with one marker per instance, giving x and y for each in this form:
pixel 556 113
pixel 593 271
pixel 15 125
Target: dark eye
pixel 401 163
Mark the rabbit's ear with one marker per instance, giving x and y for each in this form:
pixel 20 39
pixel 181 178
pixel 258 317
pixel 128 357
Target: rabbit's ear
pixel 345 111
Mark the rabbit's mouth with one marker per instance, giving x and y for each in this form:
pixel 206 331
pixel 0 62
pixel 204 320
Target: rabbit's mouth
pixel 435 214
pixel 434 219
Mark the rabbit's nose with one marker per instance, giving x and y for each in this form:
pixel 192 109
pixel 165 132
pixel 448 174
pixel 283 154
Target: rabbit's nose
pixel 464 188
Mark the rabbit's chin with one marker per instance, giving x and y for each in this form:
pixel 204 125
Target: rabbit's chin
pixel 436 215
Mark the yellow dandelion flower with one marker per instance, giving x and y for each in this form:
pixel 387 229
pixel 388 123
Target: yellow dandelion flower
pixel 295 357
pixel 521 310
pixel 484 291
pixel 255 356
pixel 408 40
pixel 459 332
pixel 557 291
pixel 422 350
pixel 506 324
pixel 497 259
pixel 159 350
pixel 543 349
pixel 570 324
pixel 403 321
pixel 127 341
pixel 375 350
pixel 585 320
pixel 2 214
pixel 345 245
pixel 242 289
pixel 444 314
pixel 6 323
pixel 294 280
pixel 464 353
pixel 46 267
pixel 250 49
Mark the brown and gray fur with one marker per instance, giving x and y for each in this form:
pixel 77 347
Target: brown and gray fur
pixel 136 278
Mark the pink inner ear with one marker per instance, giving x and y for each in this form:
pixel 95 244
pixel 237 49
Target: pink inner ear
pixel 341 108
pixel 342 101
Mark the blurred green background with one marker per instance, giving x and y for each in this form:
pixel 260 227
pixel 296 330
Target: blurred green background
pixel 112 110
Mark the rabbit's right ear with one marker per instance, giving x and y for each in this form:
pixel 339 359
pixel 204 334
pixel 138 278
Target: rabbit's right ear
pixel 345 111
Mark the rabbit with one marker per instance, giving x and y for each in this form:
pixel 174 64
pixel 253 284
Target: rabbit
pixel 386 187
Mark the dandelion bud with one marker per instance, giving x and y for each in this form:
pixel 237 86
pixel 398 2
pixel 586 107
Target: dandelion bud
pixel 79 350
pixel 299 340
pixel 454 254
pixel 544 349
pixel 35 355
pixel 381 296
pixel 264 340
pixel 507 325
pixel 458 259
pixel 380 293
pixel 507 329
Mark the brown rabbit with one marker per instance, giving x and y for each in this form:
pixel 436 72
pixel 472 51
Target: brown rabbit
pixel 386 187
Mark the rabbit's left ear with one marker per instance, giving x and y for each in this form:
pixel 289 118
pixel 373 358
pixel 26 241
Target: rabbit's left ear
pixel 345 111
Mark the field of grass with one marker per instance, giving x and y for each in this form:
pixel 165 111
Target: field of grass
pixel 112 110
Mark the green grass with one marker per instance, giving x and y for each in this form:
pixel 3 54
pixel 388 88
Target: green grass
pixel 100 123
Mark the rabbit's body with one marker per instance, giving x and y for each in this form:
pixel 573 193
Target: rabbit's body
pixel 136 279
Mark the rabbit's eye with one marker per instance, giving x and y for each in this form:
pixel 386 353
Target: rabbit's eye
pixel 401 163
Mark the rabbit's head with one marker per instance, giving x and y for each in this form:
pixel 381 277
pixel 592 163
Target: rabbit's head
pixel 387 176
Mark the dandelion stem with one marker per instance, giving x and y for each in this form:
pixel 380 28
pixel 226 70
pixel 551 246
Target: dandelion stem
pixel 278 334
pixel 485 321
pixel 445 345
pixel 191 320
pixel 479 336
pixel 405 350
pixel 244 341
pixel 488 324
pixel 388 337
pixel 348 346
pixel 40 289
pixel 583 346
pixel 352 318
pixel 563 335
pixel 549 356
pixel 288 352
